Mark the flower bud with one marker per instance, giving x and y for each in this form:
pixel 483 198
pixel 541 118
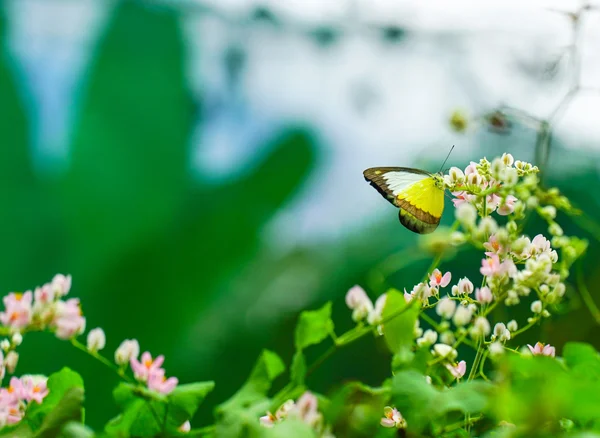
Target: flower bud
pixel 447 338
pixel 481 327
pixel 445 308
pixel 456 175
pixel 5 344
pixel 487 225
pixel 445 351
pixel 466 214
pixel 512 325
pixel 496 349
pixel 484 295
pixel 536 306
pixel 128 349
pixel 96 340
pixel 11 360
pixel 462 316
pixel 507 159
pixel 17 339
pixel 555 229
pixel 465 286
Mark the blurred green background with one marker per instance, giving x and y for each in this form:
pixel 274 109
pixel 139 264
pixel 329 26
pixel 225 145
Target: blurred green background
pixel 192 263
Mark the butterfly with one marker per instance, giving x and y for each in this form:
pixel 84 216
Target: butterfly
pixel 418 194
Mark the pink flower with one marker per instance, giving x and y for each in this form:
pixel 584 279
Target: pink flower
pixel 542 350
pixel 457 370
pixel 143 369
pixel 491 266
pixel 34 388
pixel 508 206
pixel 540 244
pixel 492 202
pixel 17 312
pixel 493 246
pixel 68 319
pixel 306 409
pixel 392 418
pixel 471 168
pixel 44 294
pixel 185 427
pixel 159 383
pixel 439 280
pixel 462 197
pixel 484 295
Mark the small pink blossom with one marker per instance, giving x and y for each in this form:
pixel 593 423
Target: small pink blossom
pixel 492 202
pixel 471 168
pixel 542 350
pixel 484 295
pixel 268 420
pixel 34 388
pixel 540 244
pixel 458 370
pixel 68 319
pixel 159 383
pixel 438 280
pixel 306 409
pixel 17 312
pixel 185 427
pixel 44 294
pixel 408 297
pixel 491 266
pixel 392 418
pixel 508 206
pixel 462 197
pixel 142 369
pixel 493 246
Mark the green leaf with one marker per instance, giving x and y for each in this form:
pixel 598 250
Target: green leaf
pixel 183 402
pixel 314 327
pixel 399 331
pixel 290 428
pixel 59 384
pixel 142 411
pixel 422 403
pixel 583 359
pixel 76 430
pixel 268 367
pixel 68 409
pixel 298 368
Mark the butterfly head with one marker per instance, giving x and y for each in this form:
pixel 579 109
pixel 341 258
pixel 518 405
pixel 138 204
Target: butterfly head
pixel 438 179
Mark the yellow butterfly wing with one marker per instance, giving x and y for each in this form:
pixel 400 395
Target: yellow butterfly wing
pixel 417 193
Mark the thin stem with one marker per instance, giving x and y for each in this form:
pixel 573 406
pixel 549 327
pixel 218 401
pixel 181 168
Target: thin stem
pixel 102 359
pixel 477 359
pixel 586 296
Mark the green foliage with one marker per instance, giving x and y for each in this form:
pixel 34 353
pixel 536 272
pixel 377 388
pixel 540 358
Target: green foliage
pixel 313 327
pixel 146 413
pixel 240 413
pixel 428 408
pixel 63 403
pixel 538 393
pixel 399 331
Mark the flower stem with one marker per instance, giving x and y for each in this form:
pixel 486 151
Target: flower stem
pixel 477 359
pixel 102 359
pixel 586 296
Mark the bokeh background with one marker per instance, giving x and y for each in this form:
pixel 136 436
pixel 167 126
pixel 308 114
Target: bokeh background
pixel 197 165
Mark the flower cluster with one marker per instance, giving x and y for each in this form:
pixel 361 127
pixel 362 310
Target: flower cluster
pixel 44 309
pixel 20 393
pixel 304 409
pixel 362 307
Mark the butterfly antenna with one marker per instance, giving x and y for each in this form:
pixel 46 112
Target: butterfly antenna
pixel 447 156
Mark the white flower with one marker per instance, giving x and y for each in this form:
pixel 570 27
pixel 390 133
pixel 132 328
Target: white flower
pixel 96 340
pixel 465 286
pixel 358 301
pixel 129 348
pixel 445 307
pixel 5 344
pixel 376 315
pixel 466 214
pixel 536 306
pixel 507 159
pixel 392 418
pixel 512 325
pixel 484 295
pixel 445 351
pixel 501 332
pixel 496 349
pixel 456 175
pixel 428 338
pixel 481 327
pixel 462 316
pixel 487 226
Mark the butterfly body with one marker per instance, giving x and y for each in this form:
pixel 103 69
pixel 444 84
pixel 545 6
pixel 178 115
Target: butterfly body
pixel 418 194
